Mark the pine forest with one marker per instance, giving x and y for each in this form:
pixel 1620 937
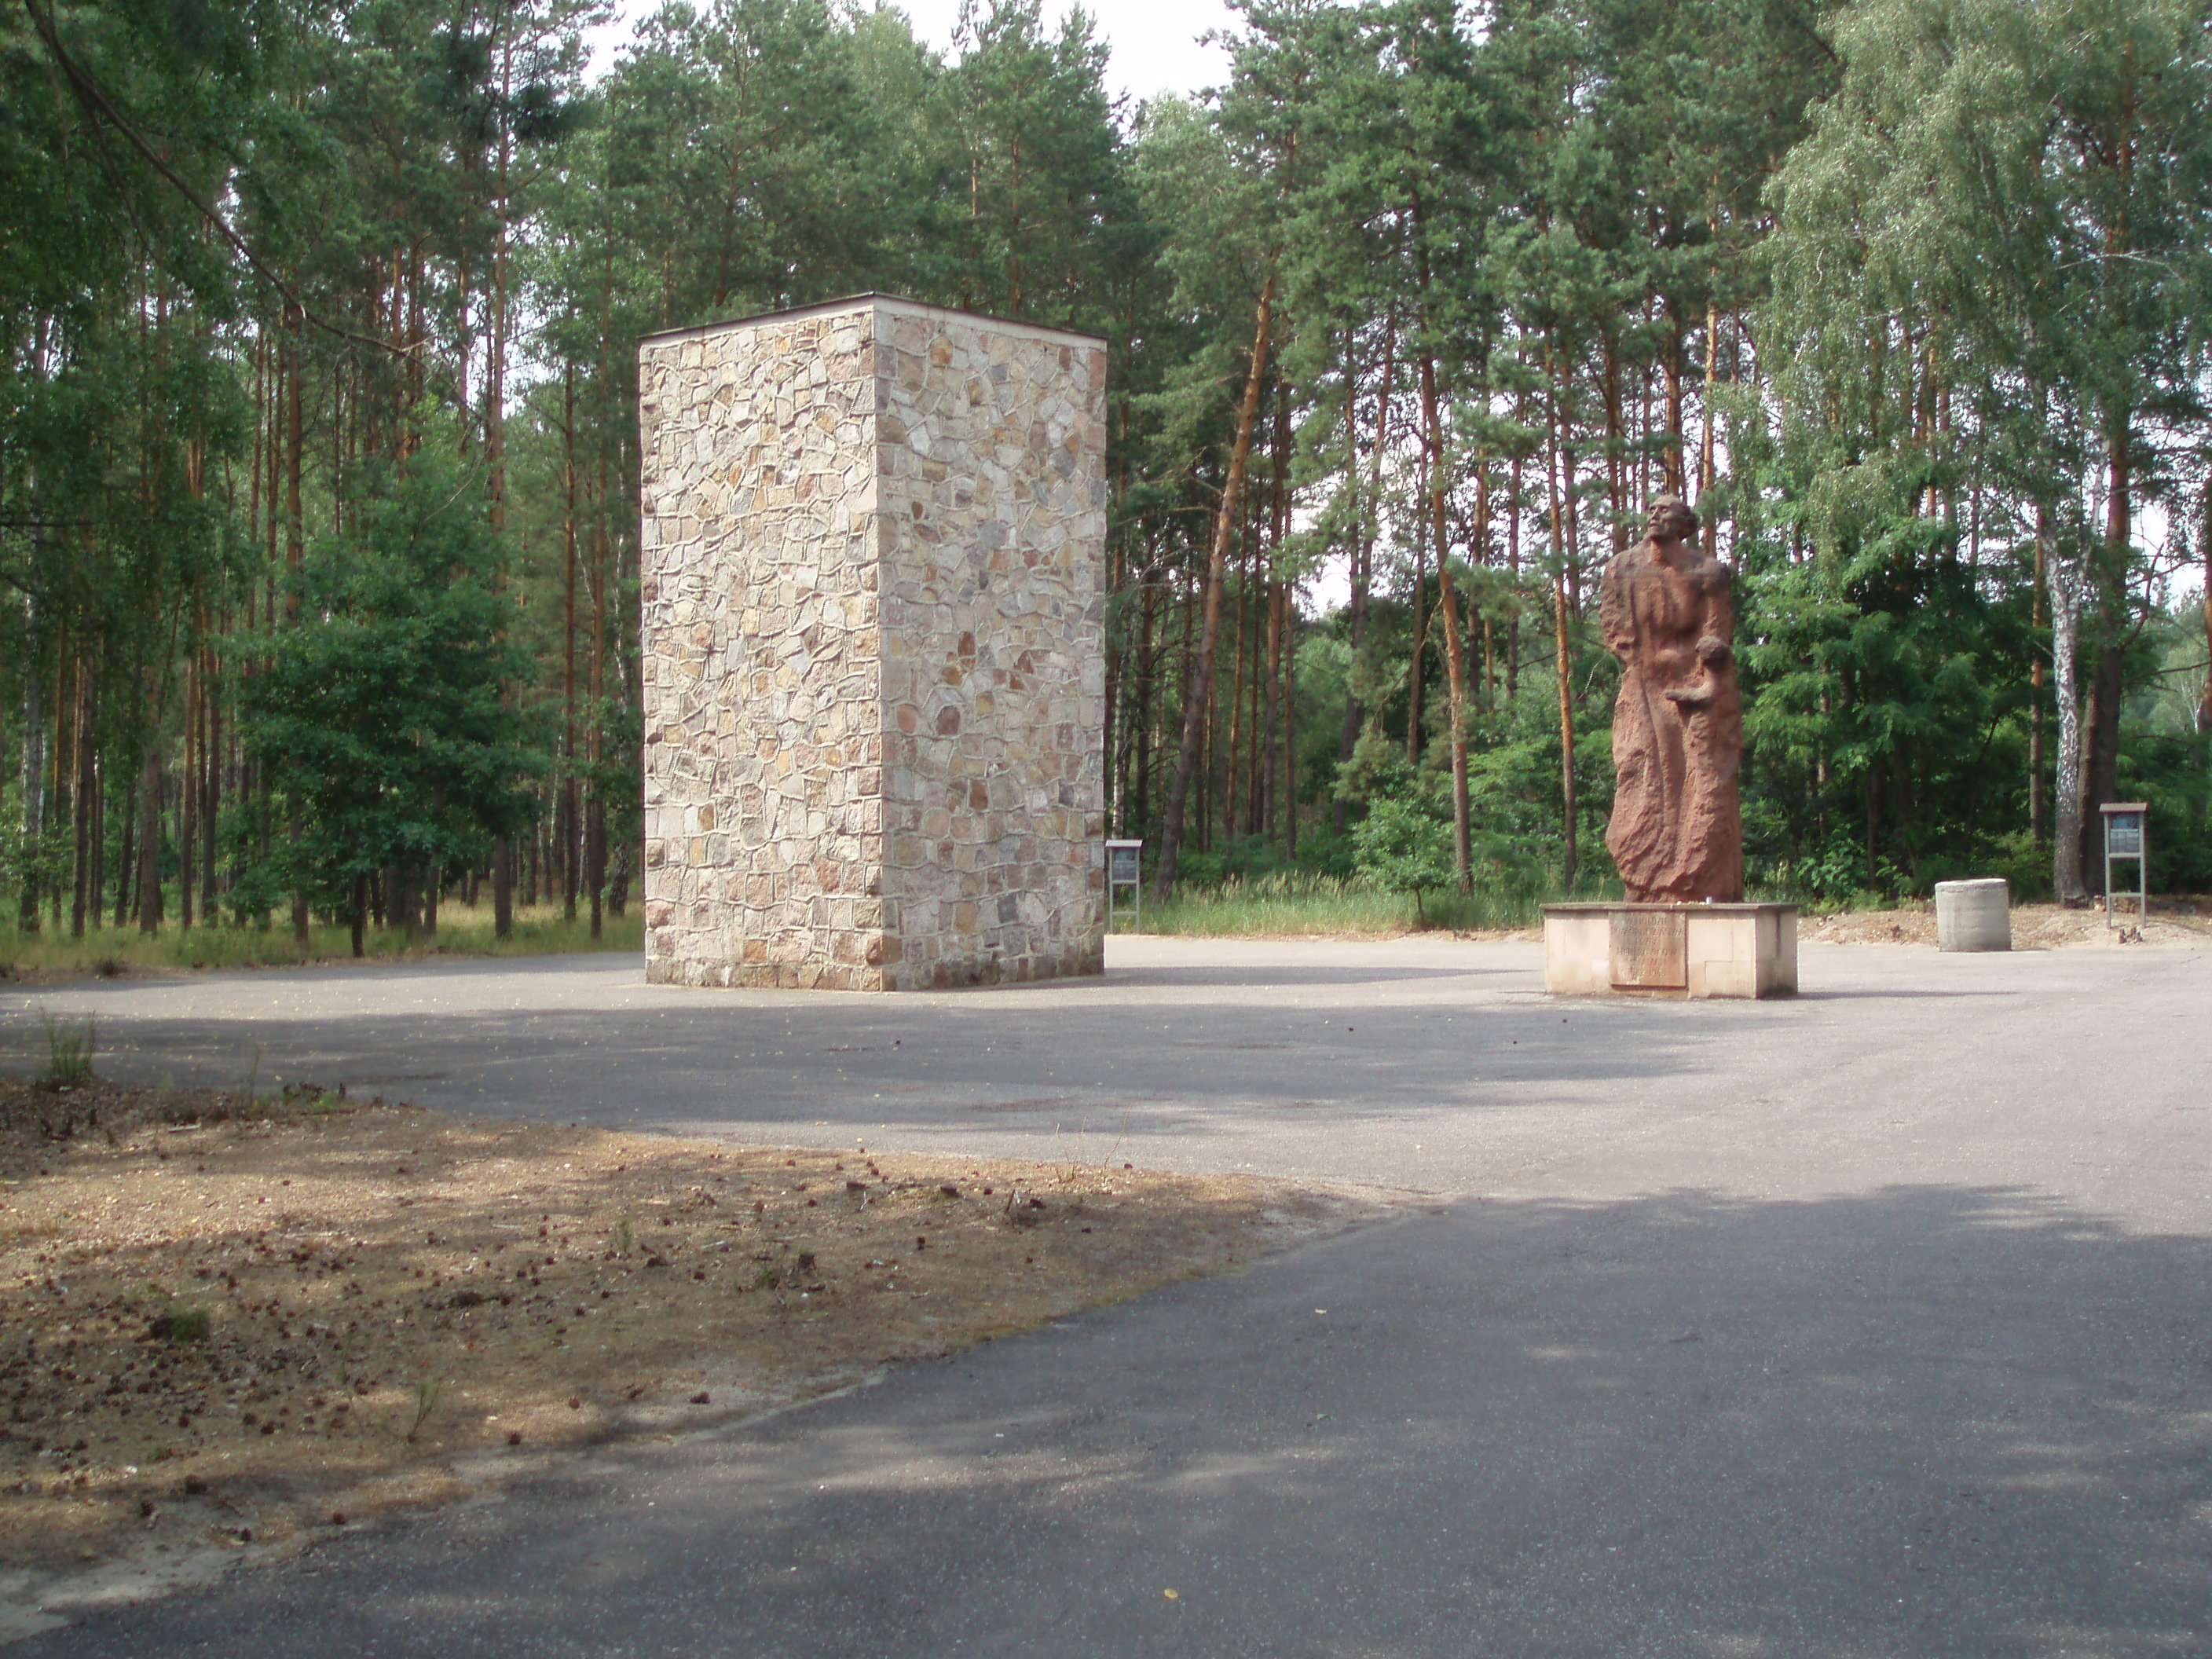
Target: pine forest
pixel 318 450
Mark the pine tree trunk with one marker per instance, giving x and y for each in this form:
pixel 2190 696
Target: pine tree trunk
pixel 1236 746
pixel 1225 523
pixel 2204 698
pixel 210 801
pixel 1150 651
pixel 126 869
pixel 1270 725
pixel 294 545
pixel 2100 763
pixel 566 815
pixel 2066 786
pixel 1513 565
pixel 96 889
pixel 2107 688
pixel 595 812
pixel 1561 663
pixel 81 801
pixel 1705 437
pixel 1414 689
pixel 1616 446
pixel 1266 740
pixel 187 805
pixel 1670 358
pixel 1288 596
pixel 2035 681
pixel 502 888
pixel 1112 776
pixel 595 857
pixel 1566 726
pixel 149 843
pixel 1362 538
pixel 31 783
pixel 1454 658
pixel 494 417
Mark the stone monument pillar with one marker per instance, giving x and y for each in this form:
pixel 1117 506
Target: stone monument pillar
pixel 873 558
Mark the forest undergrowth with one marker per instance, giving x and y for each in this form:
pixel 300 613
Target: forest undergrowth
pixel 463 931
pixel 1288 904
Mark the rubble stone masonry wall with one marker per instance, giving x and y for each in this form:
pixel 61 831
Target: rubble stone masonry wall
pixel 874 611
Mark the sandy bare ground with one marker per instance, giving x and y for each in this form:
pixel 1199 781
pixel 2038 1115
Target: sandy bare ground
pixel 2034 927
pixel 228 1326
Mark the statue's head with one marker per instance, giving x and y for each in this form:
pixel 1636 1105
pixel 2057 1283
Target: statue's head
pixel 1671 517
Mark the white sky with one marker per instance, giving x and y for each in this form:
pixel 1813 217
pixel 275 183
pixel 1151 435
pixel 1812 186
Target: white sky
pixel 1155 42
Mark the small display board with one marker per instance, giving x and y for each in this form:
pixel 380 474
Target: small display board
pixel 2127 837
pixel 1125 869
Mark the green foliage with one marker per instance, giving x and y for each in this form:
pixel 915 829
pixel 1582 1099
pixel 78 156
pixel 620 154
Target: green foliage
pixel 1891 673
pixel 178 1323
pixel 1926 277
pixel 384 718
pixel 1405 843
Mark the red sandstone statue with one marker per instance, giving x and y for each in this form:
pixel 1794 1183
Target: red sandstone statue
pixel 1677 830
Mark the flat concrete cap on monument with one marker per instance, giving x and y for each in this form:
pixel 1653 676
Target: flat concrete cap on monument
pixel 892 302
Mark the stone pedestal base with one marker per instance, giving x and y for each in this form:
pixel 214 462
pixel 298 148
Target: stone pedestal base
pixel 1670 950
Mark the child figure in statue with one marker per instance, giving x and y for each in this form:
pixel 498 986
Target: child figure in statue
pixel 1677 829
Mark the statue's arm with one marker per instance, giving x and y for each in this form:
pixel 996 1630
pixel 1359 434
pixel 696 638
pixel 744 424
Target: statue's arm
pixel 1715 631
pixel 1616 620
pixel 1716 627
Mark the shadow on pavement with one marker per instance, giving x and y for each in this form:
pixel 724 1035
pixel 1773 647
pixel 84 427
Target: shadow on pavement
pixel 1931 1420
pixel 1231 976
pixel 850 1063
pixel 1884 994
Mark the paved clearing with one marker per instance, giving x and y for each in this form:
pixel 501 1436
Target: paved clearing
pixel 1871 1323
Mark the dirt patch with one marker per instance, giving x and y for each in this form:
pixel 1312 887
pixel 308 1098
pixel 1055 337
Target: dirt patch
pixel 2034 927
pixel 228 1324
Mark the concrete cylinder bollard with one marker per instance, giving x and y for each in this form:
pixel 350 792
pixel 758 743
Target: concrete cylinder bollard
pixel 1973 915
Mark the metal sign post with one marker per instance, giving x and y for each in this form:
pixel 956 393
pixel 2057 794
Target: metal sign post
pixel 2126 837
pixel 1124 862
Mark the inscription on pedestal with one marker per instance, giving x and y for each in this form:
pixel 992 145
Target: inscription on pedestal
pixel 1649 952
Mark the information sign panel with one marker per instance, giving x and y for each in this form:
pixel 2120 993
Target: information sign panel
pixel 2126 837
pixel 1125 869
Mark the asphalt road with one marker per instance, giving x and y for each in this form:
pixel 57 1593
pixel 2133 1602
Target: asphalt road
pixel 1874 1323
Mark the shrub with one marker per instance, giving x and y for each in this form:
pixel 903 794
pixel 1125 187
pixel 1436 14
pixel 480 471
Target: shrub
pixel 69 1052
pixel 1403 845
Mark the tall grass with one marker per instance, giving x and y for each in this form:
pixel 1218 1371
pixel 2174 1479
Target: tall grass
pixel 68 1051
pixel 463 931
pixel 1292 903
